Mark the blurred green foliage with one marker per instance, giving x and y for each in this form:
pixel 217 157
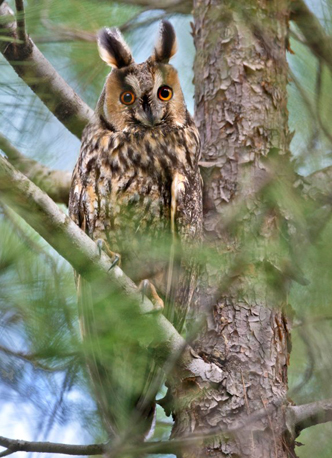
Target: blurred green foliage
pixel 38 311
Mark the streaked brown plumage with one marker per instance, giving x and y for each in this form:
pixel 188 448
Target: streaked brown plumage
pixel 136 184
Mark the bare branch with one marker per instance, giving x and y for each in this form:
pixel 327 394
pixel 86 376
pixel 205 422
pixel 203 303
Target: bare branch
pixel 13 446
pixel 306 415
pixel 56 183
pixel 246 423
pixel 30 64
pixel 316 38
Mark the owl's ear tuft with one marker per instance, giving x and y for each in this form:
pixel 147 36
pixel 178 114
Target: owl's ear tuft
pixel 113 49
pixel 166 45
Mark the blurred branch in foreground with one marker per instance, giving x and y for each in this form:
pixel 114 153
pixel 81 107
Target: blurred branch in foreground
pixel 55 183
pixel 63 33
pixel 30 64
pixel 174 6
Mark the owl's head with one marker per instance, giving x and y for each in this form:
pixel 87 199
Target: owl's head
pixel 145 95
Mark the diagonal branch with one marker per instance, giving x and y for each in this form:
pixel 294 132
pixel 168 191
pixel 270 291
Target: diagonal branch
pixel 30 64
pixel 56 183
pixel 316 38
pixel 43 215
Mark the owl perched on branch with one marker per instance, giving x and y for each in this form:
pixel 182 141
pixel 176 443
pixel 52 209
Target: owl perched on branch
pixel 136 191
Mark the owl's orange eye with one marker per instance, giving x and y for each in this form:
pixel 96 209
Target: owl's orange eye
pixel 127 98
pixel 165 93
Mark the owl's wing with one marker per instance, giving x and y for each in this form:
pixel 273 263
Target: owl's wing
pixel 186 229
pixel 118 369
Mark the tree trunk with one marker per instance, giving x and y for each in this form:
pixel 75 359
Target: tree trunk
pixel 241 112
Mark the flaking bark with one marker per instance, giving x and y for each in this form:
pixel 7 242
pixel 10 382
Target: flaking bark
pixel 241 112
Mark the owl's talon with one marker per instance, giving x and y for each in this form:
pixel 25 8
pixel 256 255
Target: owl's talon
pixel 103 246
pixel 100 245
pixel 115 261
pixel 148 289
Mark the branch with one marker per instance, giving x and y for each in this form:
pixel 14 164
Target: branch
pixel 56 183
pixel 30 64
pixel 316 38
pixel 297 419
pixel 13 446
pixel 245 424
pixel 306 415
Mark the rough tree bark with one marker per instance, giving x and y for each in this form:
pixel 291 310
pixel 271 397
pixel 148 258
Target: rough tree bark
pixel 241 98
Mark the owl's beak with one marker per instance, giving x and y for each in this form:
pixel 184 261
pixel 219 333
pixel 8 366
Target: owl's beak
pixel 148 118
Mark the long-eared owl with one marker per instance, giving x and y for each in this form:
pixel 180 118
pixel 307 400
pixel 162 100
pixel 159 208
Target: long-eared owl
pixel 136 190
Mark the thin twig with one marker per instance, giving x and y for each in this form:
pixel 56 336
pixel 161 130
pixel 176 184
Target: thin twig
pixel 173 6
pixel 297 419
pixel 32 358
pixel 20 20
pixel 64 34
pixel 13 446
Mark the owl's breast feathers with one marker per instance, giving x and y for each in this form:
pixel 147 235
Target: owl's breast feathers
pixel 121 188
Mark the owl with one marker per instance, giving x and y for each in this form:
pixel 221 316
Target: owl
pixel 136 191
